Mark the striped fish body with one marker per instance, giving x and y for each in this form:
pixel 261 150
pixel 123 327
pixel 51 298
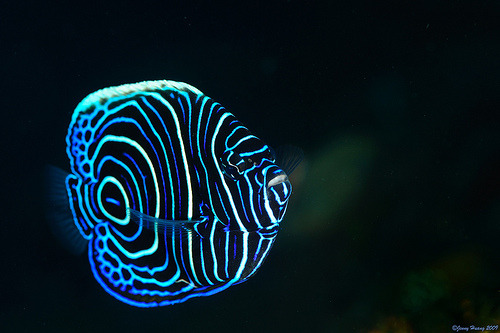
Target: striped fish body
pixel 176 198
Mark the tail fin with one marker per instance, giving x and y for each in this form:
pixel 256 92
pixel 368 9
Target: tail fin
pixel 58 211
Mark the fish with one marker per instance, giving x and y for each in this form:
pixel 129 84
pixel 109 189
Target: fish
pixel 171 196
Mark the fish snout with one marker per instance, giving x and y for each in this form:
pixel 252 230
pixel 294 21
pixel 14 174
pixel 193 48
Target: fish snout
pixel 279 190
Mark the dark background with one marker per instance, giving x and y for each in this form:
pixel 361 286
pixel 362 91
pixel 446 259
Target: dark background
pixel 395 219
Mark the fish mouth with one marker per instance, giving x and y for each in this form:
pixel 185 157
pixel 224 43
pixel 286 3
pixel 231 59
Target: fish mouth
pixel 279 189
pixel 277 180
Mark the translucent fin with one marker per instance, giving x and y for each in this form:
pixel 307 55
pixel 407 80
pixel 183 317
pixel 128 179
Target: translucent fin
pixel 150 222
pixel 288 157
pixel 58 212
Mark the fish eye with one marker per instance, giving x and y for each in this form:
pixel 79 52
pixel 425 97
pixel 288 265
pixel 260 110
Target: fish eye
pixel 271 155
pixel 233 165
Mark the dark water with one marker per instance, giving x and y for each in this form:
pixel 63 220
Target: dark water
pixel 394 224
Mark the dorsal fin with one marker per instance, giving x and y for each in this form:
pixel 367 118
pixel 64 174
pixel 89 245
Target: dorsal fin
pixel 100 97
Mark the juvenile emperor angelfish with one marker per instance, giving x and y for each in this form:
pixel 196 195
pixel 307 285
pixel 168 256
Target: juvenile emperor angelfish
pixel 170 194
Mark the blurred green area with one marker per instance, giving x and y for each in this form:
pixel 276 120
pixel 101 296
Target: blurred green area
pixel 327 183
pixel 408 255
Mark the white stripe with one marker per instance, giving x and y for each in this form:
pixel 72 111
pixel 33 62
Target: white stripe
pixel 221 176
pixel 190 250
pixel 212 248
pixel 184 159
